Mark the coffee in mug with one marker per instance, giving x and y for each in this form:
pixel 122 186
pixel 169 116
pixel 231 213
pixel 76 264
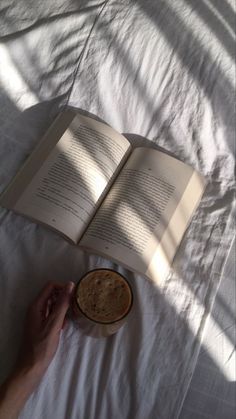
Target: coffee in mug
pixel 102 300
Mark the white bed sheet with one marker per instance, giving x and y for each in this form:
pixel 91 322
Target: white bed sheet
pixel 156 69
pixel 212 391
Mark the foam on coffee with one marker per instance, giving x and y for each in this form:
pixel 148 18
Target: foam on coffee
pixel 104 296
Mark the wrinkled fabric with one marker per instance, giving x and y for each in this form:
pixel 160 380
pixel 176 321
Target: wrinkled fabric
pixel 158 70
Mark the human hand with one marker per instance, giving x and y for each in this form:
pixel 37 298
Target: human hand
pixel 44 321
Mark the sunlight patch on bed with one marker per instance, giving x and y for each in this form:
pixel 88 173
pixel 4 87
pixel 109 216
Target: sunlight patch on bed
pixel 188 307
pixel 13 82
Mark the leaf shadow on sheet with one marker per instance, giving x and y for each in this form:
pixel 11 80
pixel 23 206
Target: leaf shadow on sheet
pixel 226 11
pixel 195 70
pixel 206 381
pixel 16 18
pixel 139 141
pixel 194 57
pixel 66 44
pixel 218 27
pixel 209 393
pixel 22 130
pixel 150 304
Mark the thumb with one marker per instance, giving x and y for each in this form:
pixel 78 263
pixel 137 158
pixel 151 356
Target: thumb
pixel 62 305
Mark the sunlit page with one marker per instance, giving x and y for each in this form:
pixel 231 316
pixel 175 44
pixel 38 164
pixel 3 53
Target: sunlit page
pixel 65 191
pixel 131 222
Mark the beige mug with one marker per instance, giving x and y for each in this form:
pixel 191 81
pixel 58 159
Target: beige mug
pixel 102 301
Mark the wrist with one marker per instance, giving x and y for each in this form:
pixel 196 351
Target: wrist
pixel 31 364
pixel 30 373
pixel 16 390
pixel 22 381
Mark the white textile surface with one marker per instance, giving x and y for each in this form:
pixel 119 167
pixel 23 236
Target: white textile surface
pixel 162 70
pixel 212 391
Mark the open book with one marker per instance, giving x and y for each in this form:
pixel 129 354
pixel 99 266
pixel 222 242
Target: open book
pixel 85 181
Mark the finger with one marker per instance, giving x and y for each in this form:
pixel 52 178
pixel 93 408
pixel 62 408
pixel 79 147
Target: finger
pixel 61 306
pixel 48 308
pixel 64 323
pixel 46 292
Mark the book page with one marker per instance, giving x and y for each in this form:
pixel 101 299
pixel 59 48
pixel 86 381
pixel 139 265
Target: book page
pixel 65 191
pixel 136 214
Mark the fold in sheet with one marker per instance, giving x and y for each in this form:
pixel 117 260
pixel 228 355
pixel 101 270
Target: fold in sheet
pixel 156 69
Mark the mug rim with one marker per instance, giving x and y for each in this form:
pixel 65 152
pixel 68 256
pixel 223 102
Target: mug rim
pixel 96 321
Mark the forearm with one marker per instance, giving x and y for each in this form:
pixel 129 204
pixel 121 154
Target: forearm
pixel 43 326
pixel 16 390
